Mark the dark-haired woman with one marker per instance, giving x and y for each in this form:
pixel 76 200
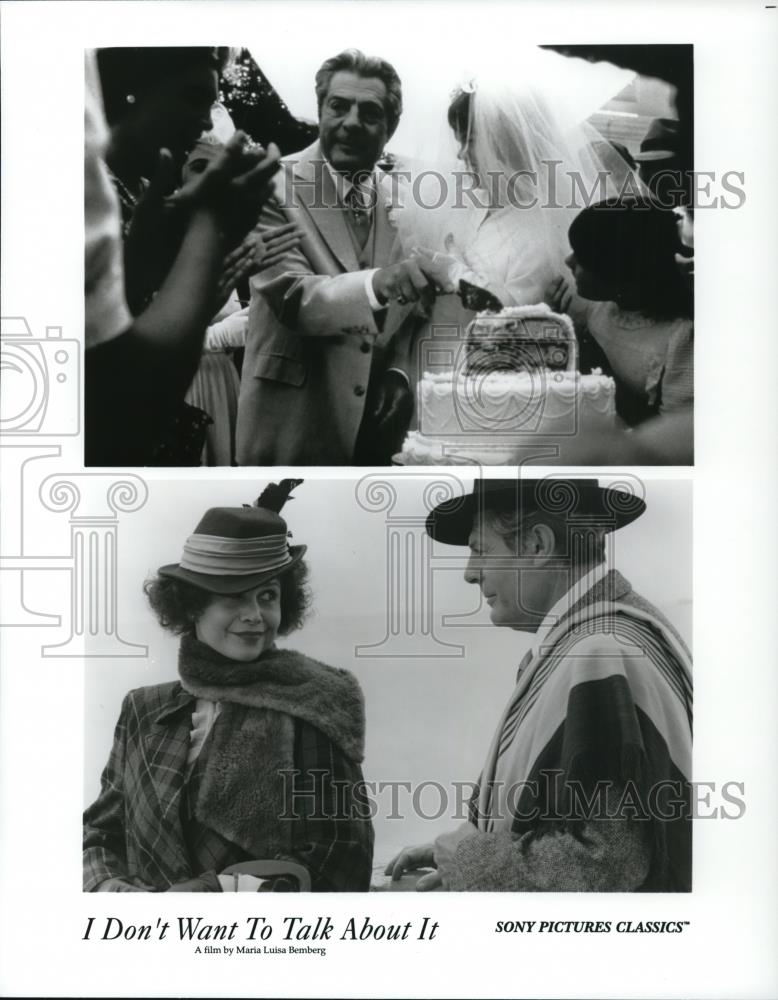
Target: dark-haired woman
pixel 158 102
pixel 635 304
pixel 253 754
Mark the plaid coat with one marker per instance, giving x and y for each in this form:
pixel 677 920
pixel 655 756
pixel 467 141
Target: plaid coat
pixel 134 834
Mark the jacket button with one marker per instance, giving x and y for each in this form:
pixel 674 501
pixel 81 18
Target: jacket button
pixel 359 390
pixel 365 347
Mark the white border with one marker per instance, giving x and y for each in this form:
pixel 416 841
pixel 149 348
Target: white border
pixel 728 950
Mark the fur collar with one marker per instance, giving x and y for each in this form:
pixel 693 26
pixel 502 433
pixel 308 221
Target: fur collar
pixel 284 681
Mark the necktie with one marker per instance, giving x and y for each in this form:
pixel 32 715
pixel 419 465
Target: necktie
pixel 358 205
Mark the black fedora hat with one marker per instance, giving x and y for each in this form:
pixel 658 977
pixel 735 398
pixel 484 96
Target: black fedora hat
pixel 234 549
pixel 581 502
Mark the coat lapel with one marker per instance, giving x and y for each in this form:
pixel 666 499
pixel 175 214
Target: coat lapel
pixel 166 748
pixel 316 191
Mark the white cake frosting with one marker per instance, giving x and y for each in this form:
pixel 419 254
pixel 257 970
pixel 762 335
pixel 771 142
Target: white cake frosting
pixel 492 418
pixel 514 388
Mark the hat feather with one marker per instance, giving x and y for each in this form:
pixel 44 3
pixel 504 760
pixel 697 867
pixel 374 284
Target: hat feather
pixel 275 495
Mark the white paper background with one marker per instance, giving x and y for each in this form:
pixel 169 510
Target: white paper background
pixel 728 950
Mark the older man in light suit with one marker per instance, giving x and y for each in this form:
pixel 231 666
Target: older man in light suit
pixel 319 384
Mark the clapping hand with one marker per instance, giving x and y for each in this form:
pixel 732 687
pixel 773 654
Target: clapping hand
pixel 272 244
pixel 259 250
pixel 235 185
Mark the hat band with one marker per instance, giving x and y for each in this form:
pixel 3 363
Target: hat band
pixel 214 555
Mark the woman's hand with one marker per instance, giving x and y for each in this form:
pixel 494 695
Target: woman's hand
pixel 238 264
pixel 258 251
pixel 559 295
pixel 235 185
pixel 443 269
pixel 207 882
pixel 270 245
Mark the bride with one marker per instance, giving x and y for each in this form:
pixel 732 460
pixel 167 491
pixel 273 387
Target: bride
pixel 494 201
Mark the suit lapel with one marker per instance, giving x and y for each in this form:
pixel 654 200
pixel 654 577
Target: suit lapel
pixel 316 191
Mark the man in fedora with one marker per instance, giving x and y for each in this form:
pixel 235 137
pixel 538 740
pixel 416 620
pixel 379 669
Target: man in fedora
pixel 585 785
pixel 320 383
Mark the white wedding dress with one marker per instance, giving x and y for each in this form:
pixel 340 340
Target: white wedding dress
pixel 538 164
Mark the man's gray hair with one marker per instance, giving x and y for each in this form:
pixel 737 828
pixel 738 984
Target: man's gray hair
pixel 583 545
pixel 354 61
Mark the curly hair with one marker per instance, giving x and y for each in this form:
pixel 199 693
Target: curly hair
pixel 137 70
pixel 179 605
pixel 354 61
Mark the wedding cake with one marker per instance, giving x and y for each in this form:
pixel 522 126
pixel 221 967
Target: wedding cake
pixel 515 391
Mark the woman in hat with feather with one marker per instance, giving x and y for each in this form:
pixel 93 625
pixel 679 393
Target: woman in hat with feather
pixel 244 774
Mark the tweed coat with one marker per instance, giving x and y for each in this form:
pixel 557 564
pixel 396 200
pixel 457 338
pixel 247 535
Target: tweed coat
pixel 133 832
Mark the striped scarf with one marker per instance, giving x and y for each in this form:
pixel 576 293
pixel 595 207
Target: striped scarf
pixel 607 699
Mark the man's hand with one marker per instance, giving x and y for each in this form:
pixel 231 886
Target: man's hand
pixel 393 406
pixel 387 417
pixel 405 282
pixel 411 859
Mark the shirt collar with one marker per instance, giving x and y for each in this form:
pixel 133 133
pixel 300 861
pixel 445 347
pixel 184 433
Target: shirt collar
pixel 581 586
pixel 343 185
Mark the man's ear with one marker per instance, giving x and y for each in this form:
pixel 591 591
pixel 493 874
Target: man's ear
pixel 540 541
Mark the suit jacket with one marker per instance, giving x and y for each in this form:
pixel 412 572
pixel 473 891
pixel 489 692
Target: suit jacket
pixel 312 332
